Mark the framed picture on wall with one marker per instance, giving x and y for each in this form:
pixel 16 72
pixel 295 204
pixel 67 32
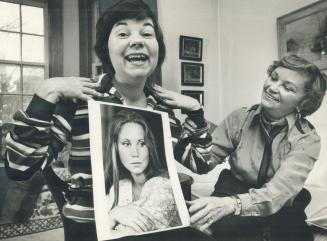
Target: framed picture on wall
pixel 190 48
pixel 304 32
pixel 192 74
pixel 196 94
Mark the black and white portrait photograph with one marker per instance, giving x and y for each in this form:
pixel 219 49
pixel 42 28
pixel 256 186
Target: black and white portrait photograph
pixel 192 74
pixel 163 120
pixel 190 48
pixel 136 189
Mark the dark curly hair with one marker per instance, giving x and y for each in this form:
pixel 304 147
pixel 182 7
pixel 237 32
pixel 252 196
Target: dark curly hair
pixel 316 86
pixel 124 9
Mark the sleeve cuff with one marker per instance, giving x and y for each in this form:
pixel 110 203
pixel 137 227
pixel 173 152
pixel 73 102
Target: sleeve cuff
pixel 197 116
pixel 40 109
pixel 247 206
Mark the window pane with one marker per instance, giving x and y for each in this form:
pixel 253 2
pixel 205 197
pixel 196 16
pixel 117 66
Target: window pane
pixel 10 78
pixel 32 20
pixel 10 46
pixel 9 16
pixel 33 48
pixel 26 100
pixel 32 76
pixel 9 104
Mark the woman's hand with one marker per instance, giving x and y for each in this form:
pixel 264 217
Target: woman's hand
pixel 177 100
pixel 72 88
pixel 134 217
pixel 206 211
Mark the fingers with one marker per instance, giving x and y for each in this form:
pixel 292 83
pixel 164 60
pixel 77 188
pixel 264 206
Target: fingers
pixel 190 123
pixel 199 217
pixel 144 224
pixel 189 126
pixel 172 103
pixel 135 227
pixel 146 213
pixel 91 85
pixel 138 219
pixel 91 92
pixel 197 205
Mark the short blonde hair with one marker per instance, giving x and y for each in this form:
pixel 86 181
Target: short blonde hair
pixel 315 87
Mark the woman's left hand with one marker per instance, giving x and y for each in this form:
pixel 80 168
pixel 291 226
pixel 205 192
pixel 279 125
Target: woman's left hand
pixel 206 211
pixel 177 100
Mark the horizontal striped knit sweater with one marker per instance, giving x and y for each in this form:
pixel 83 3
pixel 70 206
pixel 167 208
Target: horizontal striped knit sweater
pixel 44 129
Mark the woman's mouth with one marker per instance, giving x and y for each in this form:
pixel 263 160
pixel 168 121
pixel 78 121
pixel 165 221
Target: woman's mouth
pixel 136 58
pixel 270 97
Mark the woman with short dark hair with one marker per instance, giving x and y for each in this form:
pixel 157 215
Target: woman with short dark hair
pixel 130 46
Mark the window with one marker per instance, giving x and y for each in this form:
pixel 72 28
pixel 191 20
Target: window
pixel 23 55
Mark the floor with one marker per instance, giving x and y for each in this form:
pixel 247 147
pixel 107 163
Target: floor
pixel 52 235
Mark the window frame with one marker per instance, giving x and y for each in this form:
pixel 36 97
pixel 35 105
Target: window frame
pixel 45 65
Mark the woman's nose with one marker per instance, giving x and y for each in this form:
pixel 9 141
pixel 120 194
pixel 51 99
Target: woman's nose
pixel 273 87
pixel 136 41
pixel 135 151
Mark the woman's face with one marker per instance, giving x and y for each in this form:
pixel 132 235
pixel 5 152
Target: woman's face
pixel 133 152
pixel 282 92
pixel 133 49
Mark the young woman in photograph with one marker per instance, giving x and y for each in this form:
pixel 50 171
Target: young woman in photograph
pixel 139 184
pixel 130 45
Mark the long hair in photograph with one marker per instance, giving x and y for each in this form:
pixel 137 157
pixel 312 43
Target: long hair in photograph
pixel 113 167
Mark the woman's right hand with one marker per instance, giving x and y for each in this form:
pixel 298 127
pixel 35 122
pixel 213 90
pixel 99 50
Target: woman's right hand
pixel 73 88
pixel 134 217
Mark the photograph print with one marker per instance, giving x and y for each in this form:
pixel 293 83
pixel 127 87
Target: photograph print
pixel 190 48
pixel 136 187
pixel 192 74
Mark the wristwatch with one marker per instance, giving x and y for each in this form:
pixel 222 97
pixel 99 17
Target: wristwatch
pixel 238 207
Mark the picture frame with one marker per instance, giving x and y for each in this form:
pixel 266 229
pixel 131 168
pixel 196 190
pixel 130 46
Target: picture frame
pixel 304 32
pixel 192 74
pixel 190 48
pixel 160 193
pixel 196 94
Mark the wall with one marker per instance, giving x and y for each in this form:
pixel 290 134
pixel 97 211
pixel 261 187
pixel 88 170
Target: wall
pixel 70 38
pixel 198 19
pixel 248 45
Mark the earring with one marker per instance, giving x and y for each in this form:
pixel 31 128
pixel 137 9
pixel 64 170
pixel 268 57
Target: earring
pixel 298 113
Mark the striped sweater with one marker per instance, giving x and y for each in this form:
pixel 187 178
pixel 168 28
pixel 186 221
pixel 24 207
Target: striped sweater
pixel 44 129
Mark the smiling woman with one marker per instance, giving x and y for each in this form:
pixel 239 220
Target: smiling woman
pixel 130 46
pixel 133 50
pixel 271 148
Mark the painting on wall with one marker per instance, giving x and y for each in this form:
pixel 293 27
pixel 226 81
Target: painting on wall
pixel 190 48
pixel 192 74
pixel 304 32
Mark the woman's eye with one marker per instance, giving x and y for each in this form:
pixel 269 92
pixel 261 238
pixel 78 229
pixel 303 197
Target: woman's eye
pixel 126 144
pixel 287 88
pixel 148 35
pixel 142 143
pixel 122 34
pixel 273 78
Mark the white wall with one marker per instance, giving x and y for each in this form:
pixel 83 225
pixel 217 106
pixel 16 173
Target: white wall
pixel 197 18
pixel 248 46
pixel 70 38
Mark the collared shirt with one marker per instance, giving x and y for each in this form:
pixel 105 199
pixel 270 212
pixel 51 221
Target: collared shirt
pixel 294 152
